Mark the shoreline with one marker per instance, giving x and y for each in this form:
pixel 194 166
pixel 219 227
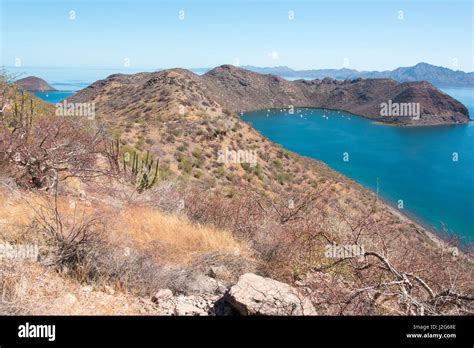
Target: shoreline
pixel 374 119
pixel 429 231
pixel 379 123
pixel 410 217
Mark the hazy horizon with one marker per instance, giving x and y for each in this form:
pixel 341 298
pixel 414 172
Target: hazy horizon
pixel 212 67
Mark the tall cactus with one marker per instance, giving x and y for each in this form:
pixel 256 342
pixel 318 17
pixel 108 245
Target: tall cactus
pixel 20 120
pixel 145 178
pixel 113 151
pixel 143 173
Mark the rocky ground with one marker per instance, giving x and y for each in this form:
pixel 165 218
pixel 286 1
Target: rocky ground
pixel 38 290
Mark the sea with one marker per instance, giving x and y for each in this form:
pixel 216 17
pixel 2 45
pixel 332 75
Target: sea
pixel 425 172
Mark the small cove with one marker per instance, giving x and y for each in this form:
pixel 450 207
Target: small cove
pixel 413 166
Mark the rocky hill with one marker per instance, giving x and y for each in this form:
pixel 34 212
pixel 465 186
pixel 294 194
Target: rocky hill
pixel 237 89
pixel 34 84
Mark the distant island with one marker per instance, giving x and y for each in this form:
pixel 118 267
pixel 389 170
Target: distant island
pixel 34 84
pixel 438 76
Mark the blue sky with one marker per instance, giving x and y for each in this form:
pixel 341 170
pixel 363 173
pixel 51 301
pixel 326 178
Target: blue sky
pixel 366 35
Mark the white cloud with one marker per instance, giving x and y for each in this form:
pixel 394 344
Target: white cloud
pixel 274 55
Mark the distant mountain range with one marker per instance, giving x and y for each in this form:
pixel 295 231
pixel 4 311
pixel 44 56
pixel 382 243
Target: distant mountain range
pixel 438 76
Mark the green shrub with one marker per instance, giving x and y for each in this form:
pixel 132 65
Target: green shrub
pixel 246 167
pixel 197 174
pixel 282 178
pixel 220 172
pixel 140 142
pixel 185 165
pixel 197 153
pixel 277 164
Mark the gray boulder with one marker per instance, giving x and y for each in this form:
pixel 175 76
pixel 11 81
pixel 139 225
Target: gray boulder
pixel 256 295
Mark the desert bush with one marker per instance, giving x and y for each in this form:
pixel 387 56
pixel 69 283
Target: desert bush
pixel 54 149
pixel 72 240
pixel 41 148
pixel 396 276
pixel 185 165
pixel 197 153
pixel 81 252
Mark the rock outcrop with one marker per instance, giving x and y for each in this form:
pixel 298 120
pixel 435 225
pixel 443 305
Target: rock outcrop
pixel 256 295
pixel 251 295
pixel 190 305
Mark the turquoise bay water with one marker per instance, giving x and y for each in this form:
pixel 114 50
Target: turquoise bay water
pixel 412 164
pixel 53 96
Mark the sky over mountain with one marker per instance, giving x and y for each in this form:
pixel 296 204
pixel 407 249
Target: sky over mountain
pixel 204 33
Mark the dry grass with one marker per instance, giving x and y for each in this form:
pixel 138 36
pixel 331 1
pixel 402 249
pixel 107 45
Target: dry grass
pixel 15 215
pixel 181 239
pixel 29 288
pixel 133 225
pixel 158 243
